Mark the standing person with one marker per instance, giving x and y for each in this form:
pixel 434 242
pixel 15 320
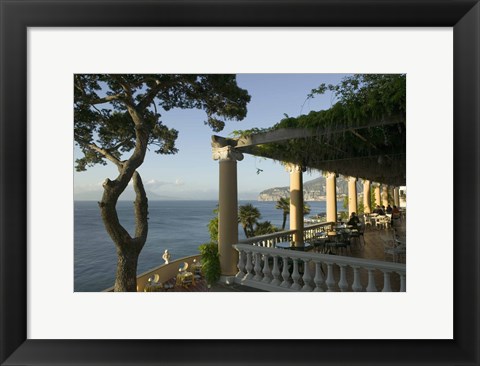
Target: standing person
pixel 389 209
pixel 395 212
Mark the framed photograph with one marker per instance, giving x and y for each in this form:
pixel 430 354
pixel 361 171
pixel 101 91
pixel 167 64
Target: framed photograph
pixel 44 44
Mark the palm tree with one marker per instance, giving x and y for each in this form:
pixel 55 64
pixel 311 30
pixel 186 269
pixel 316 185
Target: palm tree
pixel 248 216
pixel 284 204
pixel 306 209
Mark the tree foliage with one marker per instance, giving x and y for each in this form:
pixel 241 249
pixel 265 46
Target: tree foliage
pixel 107 105
pixel 210 262
pixel 248 216
pixel 359 98
pixel 363 134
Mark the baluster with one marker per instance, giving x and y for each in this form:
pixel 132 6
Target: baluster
pixel 386 282
pixel 275 272
pixel 343 284
pixel 285 273
pixel 402 282
pixel 307 277
pixel 295 275
pixel 318 277
pixel 371 280
pixel 357 284
pixel 249 266
pixel 267 277
pixel 258 267
pixel 241 265
pixel 330 282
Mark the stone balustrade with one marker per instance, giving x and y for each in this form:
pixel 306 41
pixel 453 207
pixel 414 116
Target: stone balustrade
pixel 273 269
pixel 270 240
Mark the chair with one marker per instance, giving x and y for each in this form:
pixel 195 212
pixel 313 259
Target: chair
pixel 381 222
pixel 184 278
pixel 358 233
pixel 154 284
pixel 392 247
pixel 367 220
pixel 338 242
pixel 388 220
pixel 197 270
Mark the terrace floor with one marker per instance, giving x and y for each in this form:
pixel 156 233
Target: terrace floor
pixel 371 246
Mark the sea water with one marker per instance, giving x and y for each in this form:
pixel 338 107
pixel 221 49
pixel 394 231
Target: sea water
pixel 179 226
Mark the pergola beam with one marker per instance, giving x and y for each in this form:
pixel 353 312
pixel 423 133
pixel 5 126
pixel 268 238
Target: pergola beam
pixel 368 167
pixel 283 134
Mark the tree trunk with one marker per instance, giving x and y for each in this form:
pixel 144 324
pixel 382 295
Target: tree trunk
pixel 245 231
pixel 126 277
pixel 284 221
pixel 252 231
pixel 128 248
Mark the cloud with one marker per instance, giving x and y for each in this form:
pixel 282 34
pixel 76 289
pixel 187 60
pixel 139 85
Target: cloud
pixel 92 187
pixel 155 184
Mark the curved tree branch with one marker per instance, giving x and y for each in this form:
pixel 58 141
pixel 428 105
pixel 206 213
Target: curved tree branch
pixel 141 212
pixel 107 155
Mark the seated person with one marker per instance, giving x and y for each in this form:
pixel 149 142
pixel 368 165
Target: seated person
pixel 354 220
pixel 389 209
pixel 378 210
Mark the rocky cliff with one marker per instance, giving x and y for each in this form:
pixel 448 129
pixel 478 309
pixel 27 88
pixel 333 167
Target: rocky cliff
pixel 313 190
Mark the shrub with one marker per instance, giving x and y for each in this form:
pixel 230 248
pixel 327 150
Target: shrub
pixel 210 262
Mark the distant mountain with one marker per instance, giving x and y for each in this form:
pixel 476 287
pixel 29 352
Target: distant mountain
pixel 128 195
pixel 313 190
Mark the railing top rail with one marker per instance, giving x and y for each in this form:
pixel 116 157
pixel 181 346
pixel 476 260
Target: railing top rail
pixel 267 236
pixel 314 226
pixel 282 233
pixel 337 259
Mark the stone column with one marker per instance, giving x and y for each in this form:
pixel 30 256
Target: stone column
pixel 331 189
pixel 396 196
pixel 352 195
pixel 385 195
pixel 376 191
pixel 296 203
pixel 367 207
pixel 227 208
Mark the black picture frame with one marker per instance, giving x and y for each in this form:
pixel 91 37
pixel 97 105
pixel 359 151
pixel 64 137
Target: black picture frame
pixel 18 15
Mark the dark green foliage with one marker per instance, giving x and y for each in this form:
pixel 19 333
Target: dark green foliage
pixel 363 134
pixel 265 227
pixel 213 227
pixel 210 262
pixel 102 103
pixel 248 216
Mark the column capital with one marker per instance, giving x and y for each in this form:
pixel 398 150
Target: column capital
pixel 228 153
pixel 294 168
pixel 352 179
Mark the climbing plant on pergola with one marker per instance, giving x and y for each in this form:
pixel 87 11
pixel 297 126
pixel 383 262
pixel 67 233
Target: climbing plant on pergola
pixel 362 135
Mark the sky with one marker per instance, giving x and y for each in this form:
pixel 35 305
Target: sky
pixel 192 174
